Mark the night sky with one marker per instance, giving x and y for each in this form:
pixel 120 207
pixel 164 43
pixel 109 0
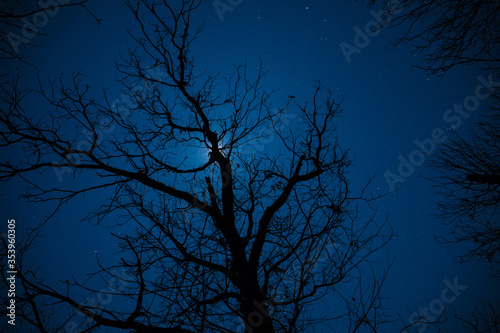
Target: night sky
pixel 389 104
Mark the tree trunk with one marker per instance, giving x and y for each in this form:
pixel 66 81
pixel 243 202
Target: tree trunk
pixel 257 317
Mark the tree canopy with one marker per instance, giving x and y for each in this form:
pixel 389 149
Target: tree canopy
pixel 229 233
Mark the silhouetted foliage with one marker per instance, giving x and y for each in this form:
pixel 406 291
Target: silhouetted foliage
pixel 448 33
pixel 21 21
pixel 484 319
pixel 227 230
pixel 469 183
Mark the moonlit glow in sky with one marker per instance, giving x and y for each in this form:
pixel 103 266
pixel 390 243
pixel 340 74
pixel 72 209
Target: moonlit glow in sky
pixel 388 105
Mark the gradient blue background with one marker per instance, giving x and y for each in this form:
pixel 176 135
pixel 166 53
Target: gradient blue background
pixel 389 104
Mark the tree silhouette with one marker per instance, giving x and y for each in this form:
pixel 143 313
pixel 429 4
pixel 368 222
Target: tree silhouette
pixel 483 319
pixel 452 34
pixel 21 21
pixel 455 33
pixel 469 182
pixel 448 33
pixel 229 231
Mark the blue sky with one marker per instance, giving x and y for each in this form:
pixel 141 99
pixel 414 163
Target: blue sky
pixel 389 104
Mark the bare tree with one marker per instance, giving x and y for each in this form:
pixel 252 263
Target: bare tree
pixel 450 34
pixel 447 33
pixel 468 180
pixel 485 319
pixel 229 232
pixel 20 21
